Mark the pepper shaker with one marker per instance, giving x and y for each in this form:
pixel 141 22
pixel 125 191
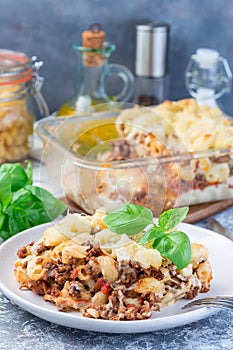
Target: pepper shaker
pixel 152 81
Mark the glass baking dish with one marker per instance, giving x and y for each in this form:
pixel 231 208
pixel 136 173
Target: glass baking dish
pixel 75 150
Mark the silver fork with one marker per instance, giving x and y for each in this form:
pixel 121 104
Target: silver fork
pixel 225 302
pixel 214 225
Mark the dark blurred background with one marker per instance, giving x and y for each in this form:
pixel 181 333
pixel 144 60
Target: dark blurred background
pixel 48 28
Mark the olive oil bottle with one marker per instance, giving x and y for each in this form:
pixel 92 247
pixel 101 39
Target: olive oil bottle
pixel 92 71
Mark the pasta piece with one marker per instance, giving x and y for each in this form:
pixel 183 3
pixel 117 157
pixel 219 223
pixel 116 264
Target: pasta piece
pixel 125 252
pixel 73 251
pixel 97 222
pixel 83 275
pixel 82 238
pixel 99 298
pixel 199 254
pixel 204 273
pixel 68 249
pixel 92 312
pixel 107 267
pixel 53 237
pixel 35 270
pixel 89 284
pixel 204 164
pixel 107 237
pixel 186 272
pixel 20 270
pixel 74 224
pixel 218 173
pixel 132 301
pixel 111 241
pixel 149 285
pixel 73 296
pixel 148 257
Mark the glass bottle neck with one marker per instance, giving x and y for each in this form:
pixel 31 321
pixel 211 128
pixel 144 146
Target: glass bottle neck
pixel 205 96
pixel 90 80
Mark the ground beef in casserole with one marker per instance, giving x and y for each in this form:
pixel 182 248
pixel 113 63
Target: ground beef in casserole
pixel 200 182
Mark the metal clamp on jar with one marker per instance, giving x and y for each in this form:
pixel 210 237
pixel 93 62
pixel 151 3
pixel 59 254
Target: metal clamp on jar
pixel 19 80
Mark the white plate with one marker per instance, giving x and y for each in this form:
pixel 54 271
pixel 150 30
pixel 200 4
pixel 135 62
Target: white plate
pixel 221 258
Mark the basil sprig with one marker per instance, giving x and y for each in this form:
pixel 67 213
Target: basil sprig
pixel 172 244
pixel 128 218
pixel 23 205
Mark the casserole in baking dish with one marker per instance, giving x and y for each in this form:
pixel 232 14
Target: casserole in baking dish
pixel 177 153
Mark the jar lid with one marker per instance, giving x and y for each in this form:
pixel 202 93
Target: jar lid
pixel 207 58
pixel 15 67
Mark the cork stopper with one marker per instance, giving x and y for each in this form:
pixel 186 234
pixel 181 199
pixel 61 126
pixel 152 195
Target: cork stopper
pixel 93 38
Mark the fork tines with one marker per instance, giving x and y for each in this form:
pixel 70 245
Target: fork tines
pixel 216 301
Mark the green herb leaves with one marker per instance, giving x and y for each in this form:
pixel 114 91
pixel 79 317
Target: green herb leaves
pixel 132 219
pixel 176 247
pixel 129 218
pixel 23 205
pixel 169 219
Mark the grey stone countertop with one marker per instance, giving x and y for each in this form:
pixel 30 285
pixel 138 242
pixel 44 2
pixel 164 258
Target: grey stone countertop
pixel 21 330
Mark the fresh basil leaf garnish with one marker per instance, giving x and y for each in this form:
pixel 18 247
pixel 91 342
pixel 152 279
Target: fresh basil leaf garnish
pixel 129 219
pixel 151 234
pixel 176 247
pixel 132 219
pixel 169 219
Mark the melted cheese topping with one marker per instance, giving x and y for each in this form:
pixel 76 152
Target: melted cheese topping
pixel 195 127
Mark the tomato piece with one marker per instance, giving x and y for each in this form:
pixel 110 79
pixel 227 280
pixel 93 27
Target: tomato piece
pixel 74 273
pixel 105 289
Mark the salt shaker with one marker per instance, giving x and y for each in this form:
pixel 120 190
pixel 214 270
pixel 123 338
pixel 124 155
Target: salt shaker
pixel 152 80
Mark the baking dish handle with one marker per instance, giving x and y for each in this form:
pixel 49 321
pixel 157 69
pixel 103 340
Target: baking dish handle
pixel 46 128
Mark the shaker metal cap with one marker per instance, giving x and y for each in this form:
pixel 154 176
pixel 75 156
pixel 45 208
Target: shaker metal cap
pixel 152 49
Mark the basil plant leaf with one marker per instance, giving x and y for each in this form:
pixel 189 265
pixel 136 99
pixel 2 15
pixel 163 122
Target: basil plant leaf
pixel 5 190
pixel 151 234
pixel 176 247
pixel 129 219
pixel 51 206
pixel 2 219
pixel 33 207
pixel 169 219
pixel 5 234
pixel 23 205
pixel 18 221
pixel 16 173
pixel 29 200
pixel 29 173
